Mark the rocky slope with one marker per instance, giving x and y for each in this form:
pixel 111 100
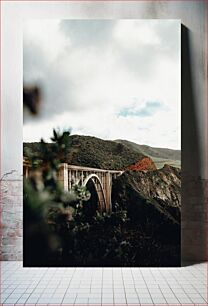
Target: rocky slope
pixel 150 191
pixel 161 185
pixel 153 202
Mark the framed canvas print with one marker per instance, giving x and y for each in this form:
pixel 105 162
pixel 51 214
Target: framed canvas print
pixel 102 142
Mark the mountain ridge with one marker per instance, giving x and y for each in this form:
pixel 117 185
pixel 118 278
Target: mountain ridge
pixel 160 156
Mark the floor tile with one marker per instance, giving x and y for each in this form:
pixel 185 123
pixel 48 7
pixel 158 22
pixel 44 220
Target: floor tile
pixel 110 286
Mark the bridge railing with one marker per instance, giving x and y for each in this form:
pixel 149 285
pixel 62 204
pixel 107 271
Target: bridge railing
pixel 80 168
pixel 66 168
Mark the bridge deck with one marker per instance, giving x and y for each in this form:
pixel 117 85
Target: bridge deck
pixel 80 168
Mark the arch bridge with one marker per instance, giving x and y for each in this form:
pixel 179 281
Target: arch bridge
pixel 70 175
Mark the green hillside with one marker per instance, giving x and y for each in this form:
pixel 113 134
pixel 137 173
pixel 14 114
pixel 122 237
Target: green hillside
pixel 160 156
pixel 94 152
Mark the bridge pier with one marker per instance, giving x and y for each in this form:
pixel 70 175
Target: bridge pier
pixel 108 188
pixel 63 176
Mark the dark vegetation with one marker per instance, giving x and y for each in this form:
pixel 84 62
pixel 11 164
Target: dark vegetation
pixel 93 152
pixel 65 229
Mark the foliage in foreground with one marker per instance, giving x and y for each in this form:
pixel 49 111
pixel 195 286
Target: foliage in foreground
pixel 58 228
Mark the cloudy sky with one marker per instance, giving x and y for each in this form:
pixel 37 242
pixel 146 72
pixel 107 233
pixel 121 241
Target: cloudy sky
pixel 114 79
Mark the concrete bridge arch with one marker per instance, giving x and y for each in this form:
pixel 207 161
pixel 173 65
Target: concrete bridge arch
pixel 99 189
pixel 70 175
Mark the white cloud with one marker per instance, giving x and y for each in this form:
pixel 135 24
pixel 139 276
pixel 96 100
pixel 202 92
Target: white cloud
pixel 135 34
pixel 88 81
pixel 46 34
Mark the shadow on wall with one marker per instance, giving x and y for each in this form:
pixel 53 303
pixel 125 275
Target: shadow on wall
pixel 193 242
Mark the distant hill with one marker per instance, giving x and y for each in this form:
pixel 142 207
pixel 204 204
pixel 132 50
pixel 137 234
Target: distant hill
pixel 160 156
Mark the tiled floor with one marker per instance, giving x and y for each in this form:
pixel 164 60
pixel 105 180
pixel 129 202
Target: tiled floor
pixel 97 286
